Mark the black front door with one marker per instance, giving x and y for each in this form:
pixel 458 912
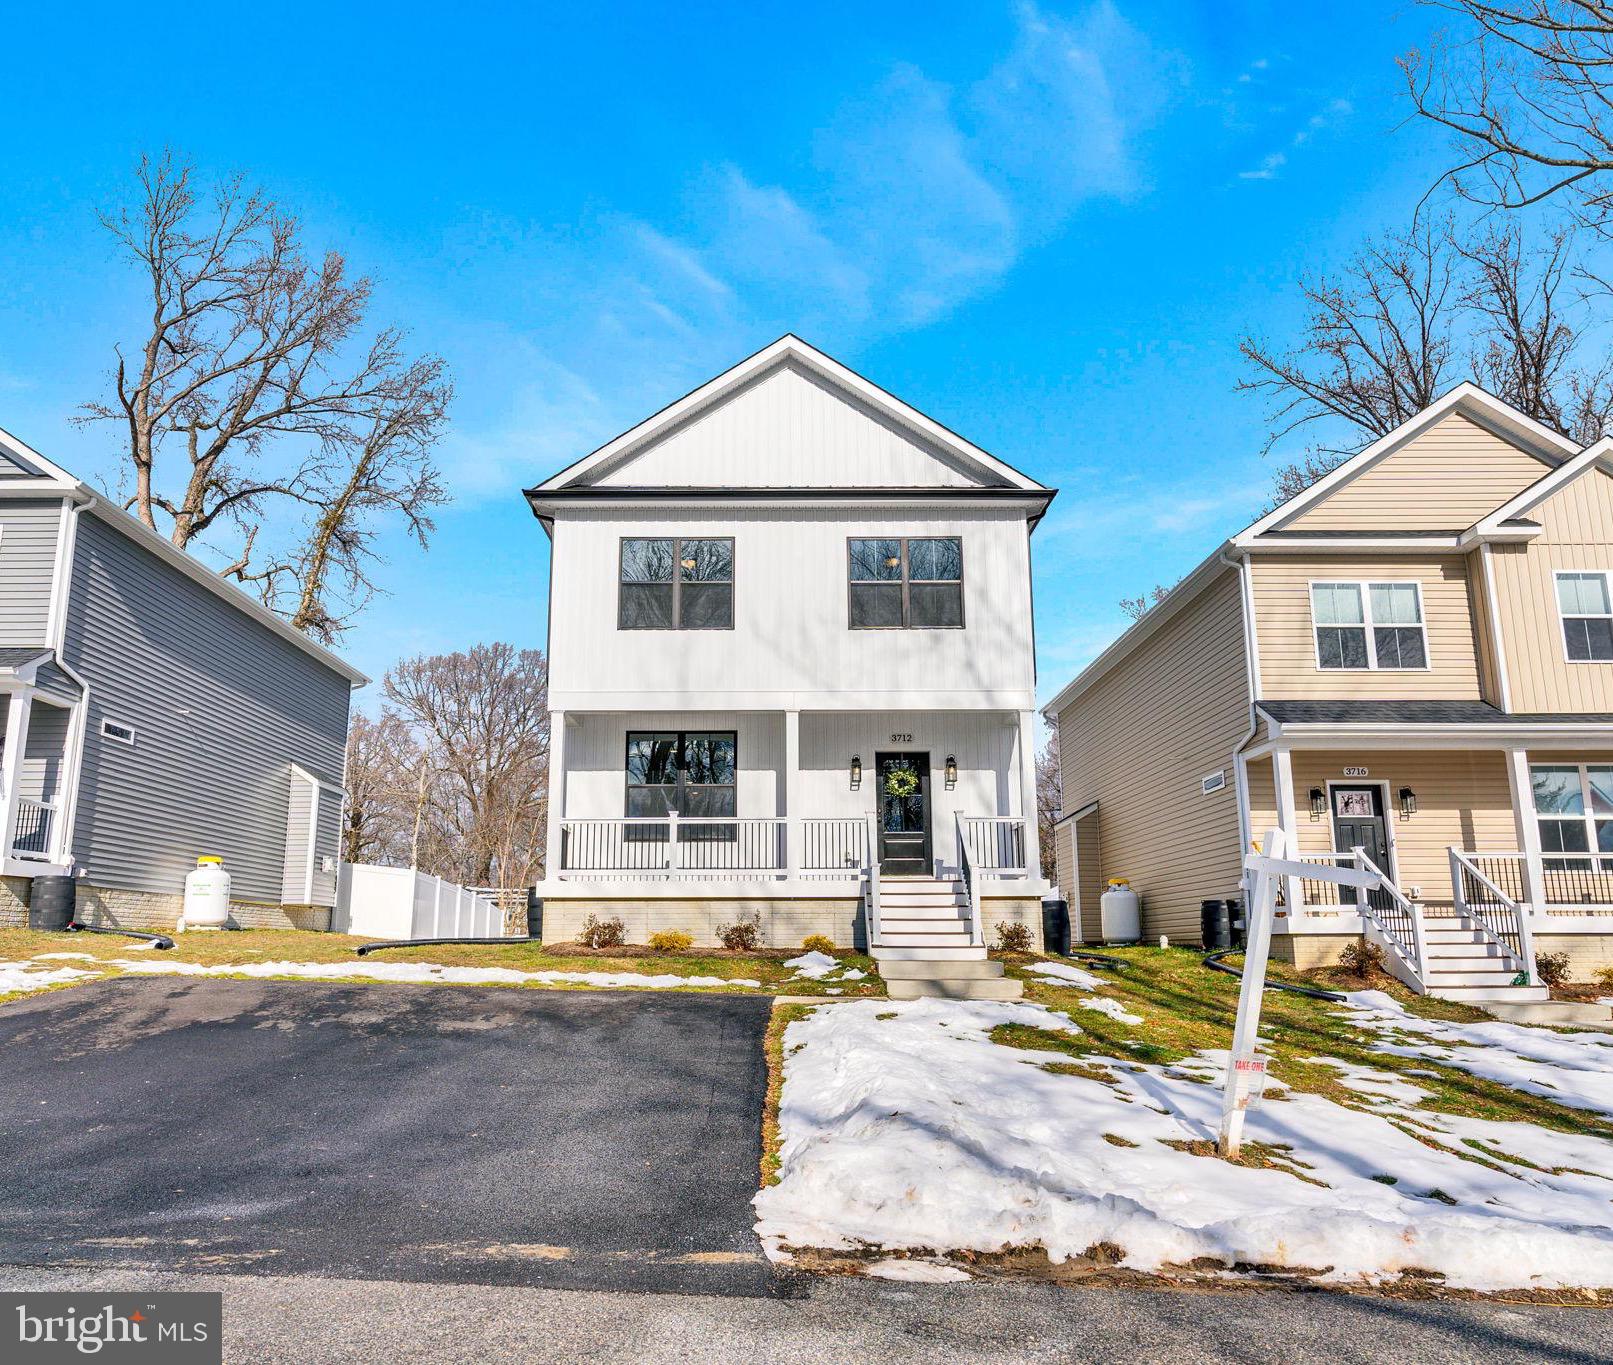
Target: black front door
pixel 903 788
pixel 1358 822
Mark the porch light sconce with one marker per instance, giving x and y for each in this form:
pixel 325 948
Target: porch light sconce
pixel 1408 802
pixel 1318 802
pixel 856 771
pixel 952 771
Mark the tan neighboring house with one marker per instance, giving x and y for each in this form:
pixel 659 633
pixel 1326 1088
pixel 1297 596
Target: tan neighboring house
pixel 1407 666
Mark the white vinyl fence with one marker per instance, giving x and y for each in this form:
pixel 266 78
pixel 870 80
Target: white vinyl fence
pixel 400 903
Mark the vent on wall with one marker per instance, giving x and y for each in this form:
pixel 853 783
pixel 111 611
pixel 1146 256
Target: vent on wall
pixel 1213 782
pixel 112 729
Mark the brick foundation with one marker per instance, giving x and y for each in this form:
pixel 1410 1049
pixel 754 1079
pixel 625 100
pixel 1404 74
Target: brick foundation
pixel 119 908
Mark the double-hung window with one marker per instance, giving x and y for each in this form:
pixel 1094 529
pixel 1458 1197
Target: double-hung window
pixel 1574 810
pixel 1585 602
pixel 676 583
pixel 898 582
pixel 1369 625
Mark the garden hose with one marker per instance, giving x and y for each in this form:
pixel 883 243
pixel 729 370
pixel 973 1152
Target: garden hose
pixel 1214 963
pixel 161 940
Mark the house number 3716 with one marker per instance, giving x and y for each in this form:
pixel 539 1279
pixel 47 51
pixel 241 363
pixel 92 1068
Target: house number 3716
pixel 901 739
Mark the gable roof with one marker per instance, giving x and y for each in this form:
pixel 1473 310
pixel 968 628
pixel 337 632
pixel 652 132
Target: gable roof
pixel 42 478
pixel 788 350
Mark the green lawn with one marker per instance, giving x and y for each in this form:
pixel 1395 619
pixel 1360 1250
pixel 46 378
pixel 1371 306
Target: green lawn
pixel 249 946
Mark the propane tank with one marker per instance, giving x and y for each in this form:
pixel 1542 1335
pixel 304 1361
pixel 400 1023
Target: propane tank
pixel 207 895
pixel 1120 913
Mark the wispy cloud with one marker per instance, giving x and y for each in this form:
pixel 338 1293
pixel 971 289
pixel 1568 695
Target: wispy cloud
pixel 1331 113
pixel 1267 169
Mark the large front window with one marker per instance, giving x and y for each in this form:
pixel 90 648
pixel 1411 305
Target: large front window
pixel 898 582
pixel 688 771
pixel 676 583
pixel 1574 809
pixel 1585 602
pixel 1368 625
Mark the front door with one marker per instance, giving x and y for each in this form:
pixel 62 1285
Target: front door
pixel 1358 822
pixel 903 790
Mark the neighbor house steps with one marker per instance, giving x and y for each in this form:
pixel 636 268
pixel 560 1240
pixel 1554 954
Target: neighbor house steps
pixel 924 946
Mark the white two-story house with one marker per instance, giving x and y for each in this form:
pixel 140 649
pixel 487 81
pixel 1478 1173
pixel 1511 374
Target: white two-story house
pixel 792 671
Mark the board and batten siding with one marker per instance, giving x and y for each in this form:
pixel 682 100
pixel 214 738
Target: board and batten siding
pixel 28 535
pixel 1577 533
pixel 221 707
pixel 1287 636
pixel 788 429
pixel 1443 479
pixel 1140 740
pixel 792 646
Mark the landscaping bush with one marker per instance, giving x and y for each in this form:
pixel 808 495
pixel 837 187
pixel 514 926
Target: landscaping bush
pixel 1013 937
pixel 744 935
pixel 1552 968
pixel 1604 978
pixel 671 941
pixel 1361 959
pixel 818 943
pixel 598 933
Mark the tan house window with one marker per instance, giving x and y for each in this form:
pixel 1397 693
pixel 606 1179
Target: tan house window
pixel 1586 606
pixel 1369 626
pixel 1574 808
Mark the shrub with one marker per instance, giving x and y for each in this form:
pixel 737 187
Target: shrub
pixel 744 935
pixel 1552 968
pixel 1604 978
pixel 818 943
pixel 1013 937
pixel 1361 959
pixel 598 933
pixel 671 941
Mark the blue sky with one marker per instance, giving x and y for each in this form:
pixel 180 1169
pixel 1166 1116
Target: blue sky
pixel 1045 226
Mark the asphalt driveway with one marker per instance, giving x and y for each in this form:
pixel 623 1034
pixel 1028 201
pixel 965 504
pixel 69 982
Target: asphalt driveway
pixel 558 1139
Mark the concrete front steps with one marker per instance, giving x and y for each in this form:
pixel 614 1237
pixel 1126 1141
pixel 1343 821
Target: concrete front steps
pixel 924 947
pixel 1466 965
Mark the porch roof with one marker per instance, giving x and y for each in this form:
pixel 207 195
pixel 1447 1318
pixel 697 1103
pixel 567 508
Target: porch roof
pixel 32 664
pixel 1372 712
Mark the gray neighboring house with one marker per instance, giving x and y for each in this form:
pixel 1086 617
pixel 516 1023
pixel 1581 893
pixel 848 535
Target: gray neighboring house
pixel 153 712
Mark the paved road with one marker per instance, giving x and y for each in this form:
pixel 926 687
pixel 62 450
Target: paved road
pixel 270 1319
pixel 563 1139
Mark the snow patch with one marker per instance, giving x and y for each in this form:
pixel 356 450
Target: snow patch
pixel 17 977
pixel 916 1272
pixel 1113 1008
pixel 814 965
pixel 914 1131
pixel 1064 974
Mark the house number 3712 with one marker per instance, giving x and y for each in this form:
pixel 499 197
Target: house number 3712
pixel 901 739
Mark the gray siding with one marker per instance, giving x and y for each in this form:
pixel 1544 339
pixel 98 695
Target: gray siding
pixel 27 565
pixel 221 707
pixel 294 871
pixel 41 775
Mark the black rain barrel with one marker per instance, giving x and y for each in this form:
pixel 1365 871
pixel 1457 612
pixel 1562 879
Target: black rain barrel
pixel 1056 927
pixel 1215 925
pixel 534 913
pixel 51 903
pixel 1240 929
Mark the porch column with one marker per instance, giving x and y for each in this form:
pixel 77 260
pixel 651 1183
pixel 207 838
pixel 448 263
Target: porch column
pixel 1027 780
pixel 793 831
pixel 1523 814
pixel 18 708
pixel 557 794
pixel 1282 778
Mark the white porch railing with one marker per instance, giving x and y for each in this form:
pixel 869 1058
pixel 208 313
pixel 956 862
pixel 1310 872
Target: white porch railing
pixel 1570 884
pixel 971 881
pixel 837 847
pixel 871 876
pixel 1482 903
pixel 1397 919
pixel 994 845
pixel 678 846
pixel 34 821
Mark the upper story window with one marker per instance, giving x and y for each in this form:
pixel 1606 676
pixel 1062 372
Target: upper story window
pixel 1585 603
pixel 898 582
pixel 1369 625
pixel 676 583
pixel 1574 809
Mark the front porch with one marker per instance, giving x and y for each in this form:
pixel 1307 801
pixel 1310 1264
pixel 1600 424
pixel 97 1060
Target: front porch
pixel 37 735
pixel 1490 856
pixel 679 819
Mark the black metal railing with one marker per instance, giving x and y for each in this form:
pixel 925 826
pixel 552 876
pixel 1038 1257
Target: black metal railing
pixel 32 839
pixel 1487 900
pixel 1578 881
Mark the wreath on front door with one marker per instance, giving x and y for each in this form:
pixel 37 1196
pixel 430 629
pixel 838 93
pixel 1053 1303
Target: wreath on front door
pixel 901 782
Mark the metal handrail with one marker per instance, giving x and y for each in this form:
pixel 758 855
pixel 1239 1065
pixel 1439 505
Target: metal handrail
pixel 1523 951
pixel 1406 935
pixel 971 882
pixel 31 836
pixel 871 871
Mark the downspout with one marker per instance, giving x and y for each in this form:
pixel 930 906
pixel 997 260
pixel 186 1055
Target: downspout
pixel 1251 664
pixel 79 724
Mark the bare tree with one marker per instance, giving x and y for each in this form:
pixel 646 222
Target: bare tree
pixel 252 387
pixel 1411 317
pixel 1139 607
pixel 484 716
pixel 1049 800
pixel 1526 90
pixel 382 757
